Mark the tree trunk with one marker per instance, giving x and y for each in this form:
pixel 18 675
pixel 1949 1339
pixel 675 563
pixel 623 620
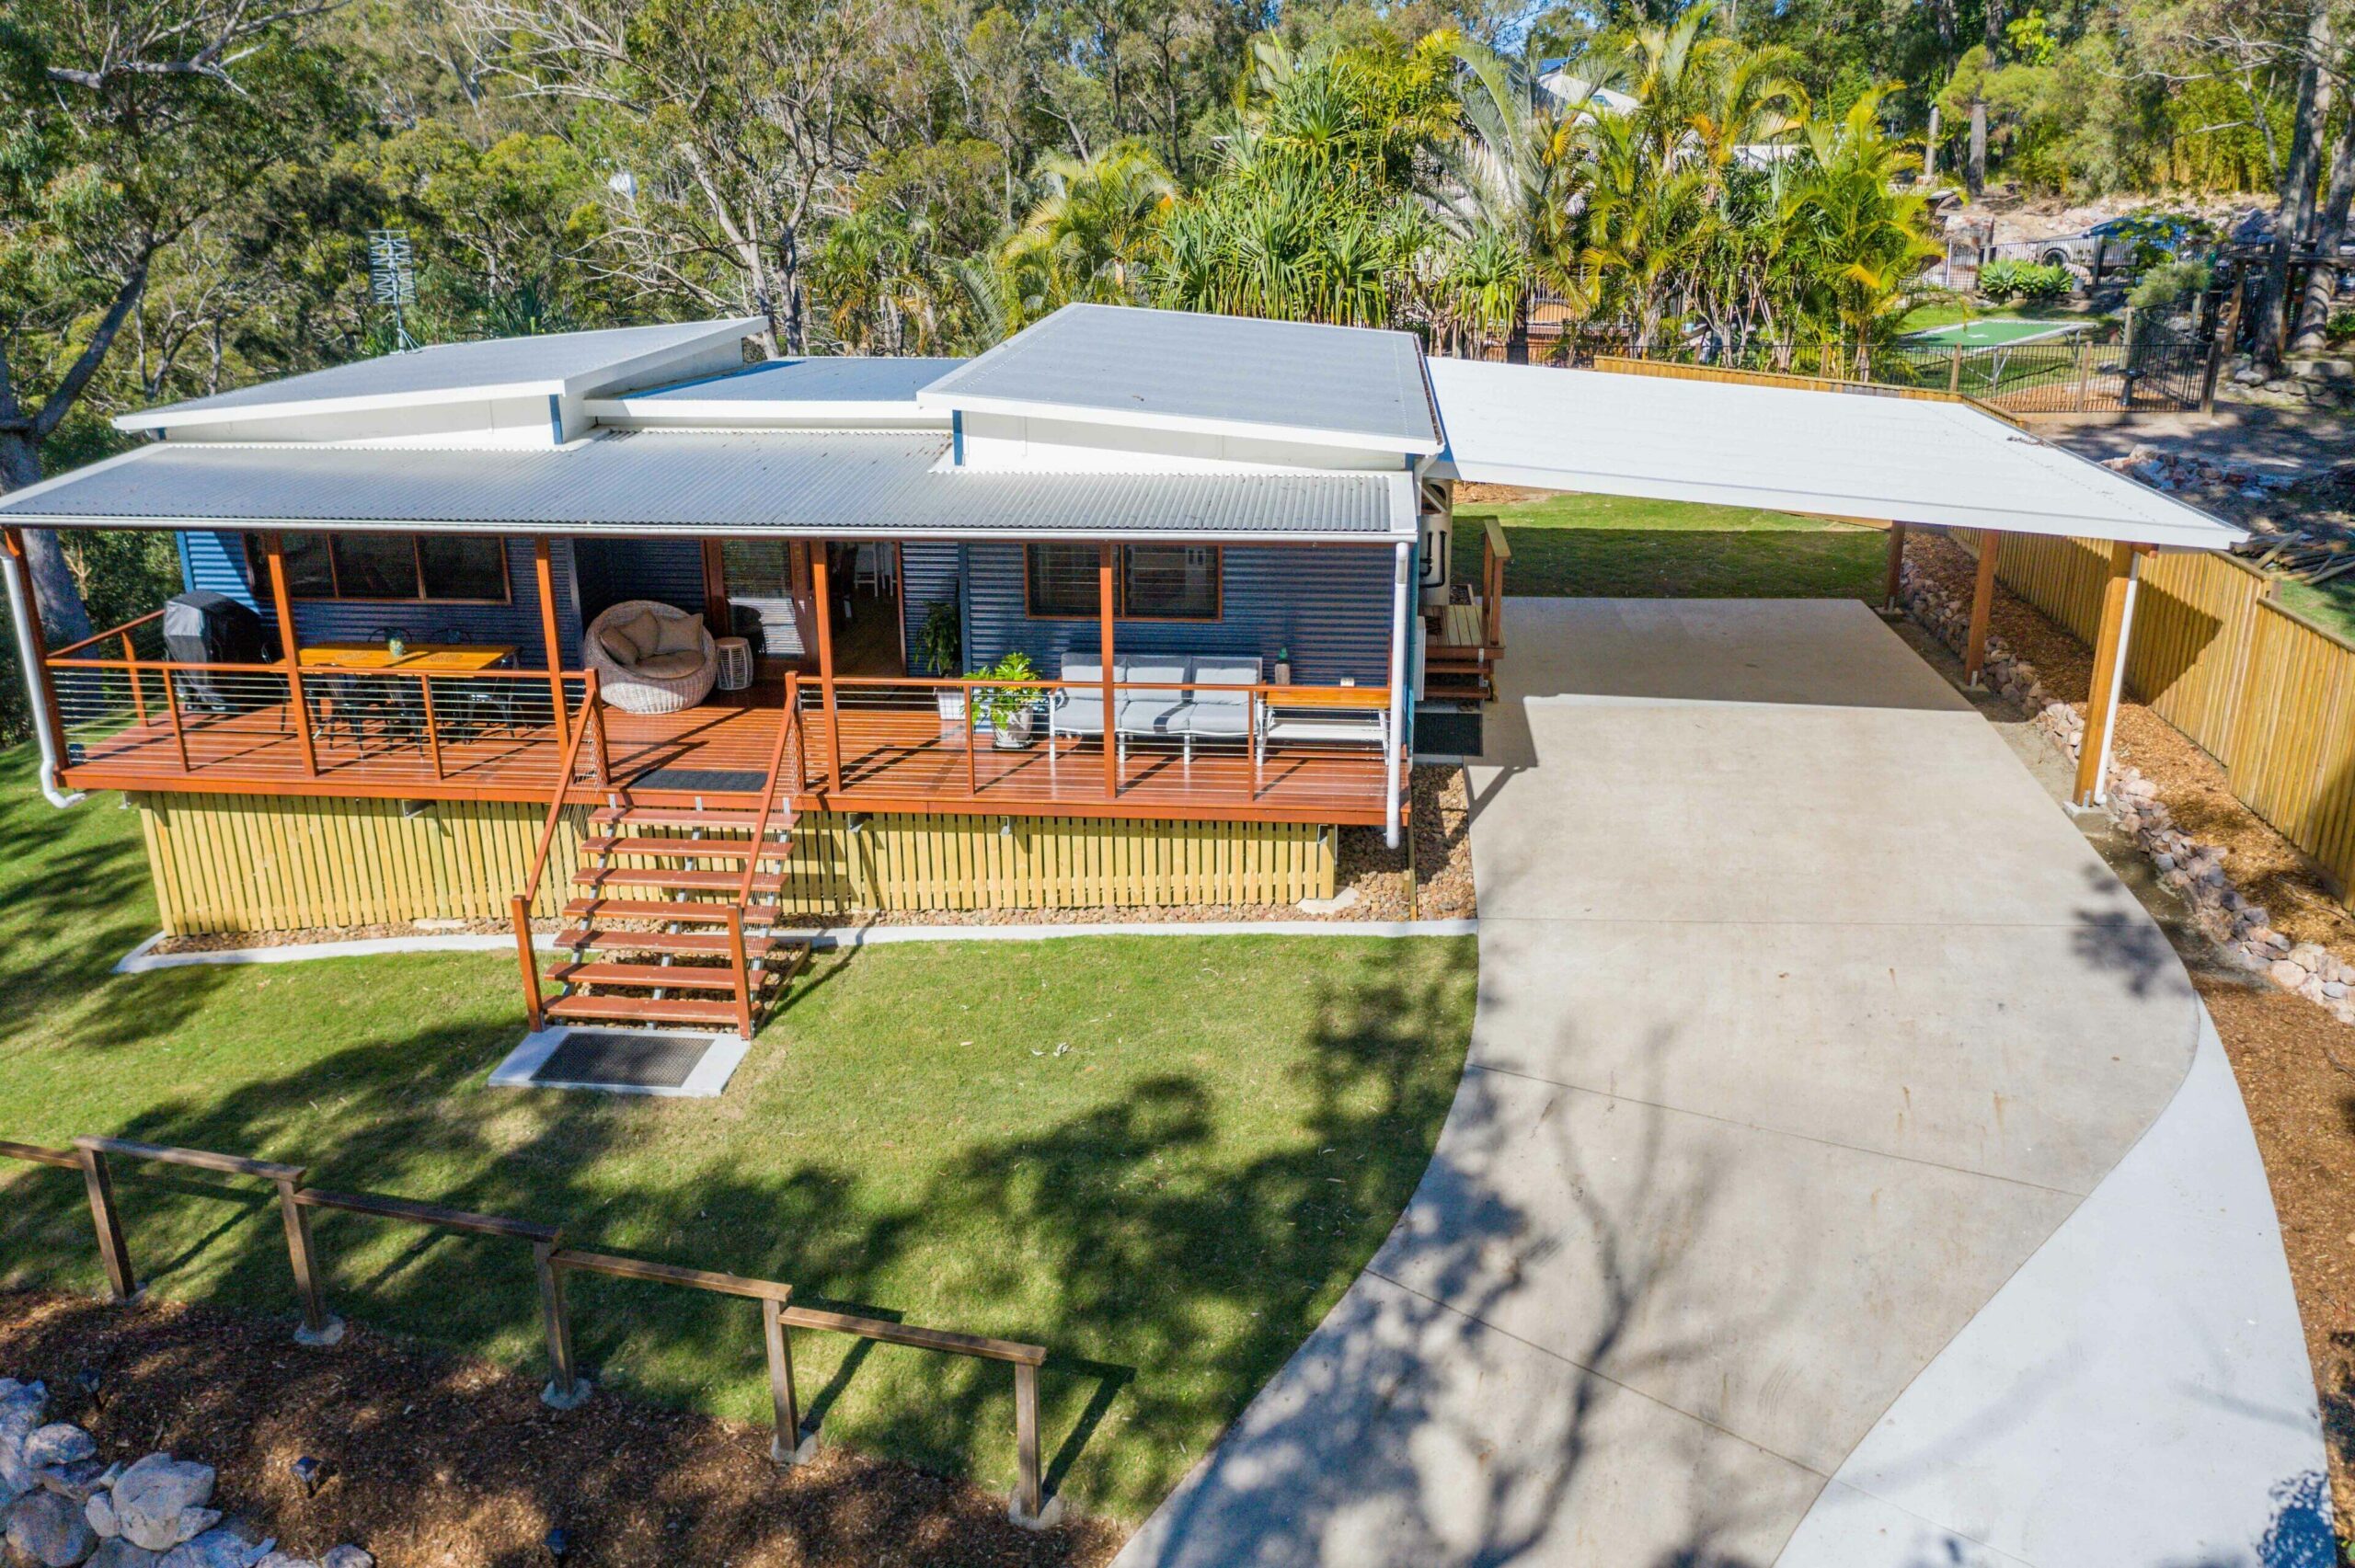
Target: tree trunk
pixel 2298 171
pixel 55 594
pixel 1930 148
pixel 1975 174
pixel 2330 233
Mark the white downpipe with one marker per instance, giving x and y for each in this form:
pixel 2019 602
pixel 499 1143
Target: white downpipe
pixel 1401 589
pixel 2118 678
pixel 52 745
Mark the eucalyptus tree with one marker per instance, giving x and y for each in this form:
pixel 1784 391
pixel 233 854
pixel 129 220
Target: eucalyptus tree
pixel 126 123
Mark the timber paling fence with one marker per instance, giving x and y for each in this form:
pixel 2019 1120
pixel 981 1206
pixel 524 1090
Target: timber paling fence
pixel 552 1260
pixel 2266 693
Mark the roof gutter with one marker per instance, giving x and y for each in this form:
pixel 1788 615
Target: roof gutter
pixel 53 747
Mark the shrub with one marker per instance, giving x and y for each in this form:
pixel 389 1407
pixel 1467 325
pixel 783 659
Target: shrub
pixel 2341 326
pixel 2028 280
pixel 2169 286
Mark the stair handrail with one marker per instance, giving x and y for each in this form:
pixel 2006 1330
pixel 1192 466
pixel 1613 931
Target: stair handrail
pixel 520 907
pixel 768 784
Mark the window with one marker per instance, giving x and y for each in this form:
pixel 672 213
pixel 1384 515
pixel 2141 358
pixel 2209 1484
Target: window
pixel 454 568
pixel 1152 582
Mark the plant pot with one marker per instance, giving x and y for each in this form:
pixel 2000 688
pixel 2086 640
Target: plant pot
pixel 1013 735
pixel 952 709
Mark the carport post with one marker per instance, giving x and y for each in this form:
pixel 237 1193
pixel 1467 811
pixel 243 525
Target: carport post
pixel 1982 601
pixel 1896 567
pixel 1401 588
pixel 2108 674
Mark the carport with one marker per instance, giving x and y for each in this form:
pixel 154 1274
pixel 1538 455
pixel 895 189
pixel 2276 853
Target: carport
pixel 1888 457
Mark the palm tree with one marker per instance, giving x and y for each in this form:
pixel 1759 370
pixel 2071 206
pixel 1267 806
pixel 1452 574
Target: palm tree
pixel 1858 243
pixel 1516 190
pixel 1094 235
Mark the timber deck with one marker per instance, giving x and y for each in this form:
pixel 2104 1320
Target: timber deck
pixel 892 758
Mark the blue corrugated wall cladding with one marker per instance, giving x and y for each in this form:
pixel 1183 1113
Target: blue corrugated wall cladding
pixel 216 561
pixel 929 570
pixel 1330 605
pixel 612 570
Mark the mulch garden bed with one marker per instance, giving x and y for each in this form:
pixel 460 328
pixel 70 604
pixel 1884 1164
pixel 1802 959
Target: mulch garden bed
pixel 438 1462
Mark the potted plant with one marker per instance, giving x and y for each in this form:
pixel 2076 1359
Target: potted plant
pixel 1007 708
pixel 940 645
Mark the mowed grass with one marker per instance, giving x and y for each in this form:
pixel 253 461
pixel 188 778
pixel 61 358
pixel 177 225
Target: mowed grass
pixel 1612 546
pixel 1162 1158
pixel 2329 605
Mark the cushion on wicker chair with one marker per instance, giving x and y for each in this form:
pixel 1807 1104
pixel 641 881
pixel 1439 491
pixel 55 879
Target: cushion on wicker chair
pixel 672 635
pixel 671 661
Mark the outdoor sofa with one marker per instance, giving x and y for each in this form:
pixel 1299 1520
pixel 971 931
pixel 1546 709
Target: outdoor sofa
pixel 1182 716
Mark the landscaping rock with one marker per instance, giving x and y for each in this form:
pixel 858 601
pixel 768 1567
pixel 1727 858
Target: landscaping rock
pixel 215 1548
pixel 46 1529
pixel 60 1443
pixel 281 1560
pixel 347 1557
pixel 76 1482
pixel 121 1553
pixel 100 1511
pixel 160 1502
pixel 22 1405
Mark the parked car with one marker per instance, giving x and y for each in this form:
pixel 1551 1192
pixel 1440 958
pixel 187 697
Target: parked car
pixel 2131 241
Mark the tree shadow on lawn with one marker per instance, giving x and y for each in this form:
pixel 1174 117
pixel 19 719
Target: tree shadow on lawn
pixel 1167 1273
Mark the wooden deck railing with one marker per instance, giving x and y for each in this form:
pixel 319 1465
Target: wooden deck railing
pixel 520 907
pixel 1496 554
pixel 789 725
pixel 551 1261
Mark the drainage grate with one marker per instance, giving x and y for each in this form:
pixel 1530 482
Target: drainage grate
pixel 1447 732
pixel 703 781
pixel 606 1059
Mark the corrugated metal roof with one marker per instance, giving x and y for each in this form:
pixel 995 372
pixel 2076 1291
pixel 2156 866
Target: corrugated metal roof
pixel 843 379
pixel 1839 453
pixel 703 481
pixel 551 362
pixel 1192 372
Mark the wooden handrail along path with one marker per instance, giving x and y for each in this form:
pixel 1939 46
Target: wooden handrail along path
pixel 551 1261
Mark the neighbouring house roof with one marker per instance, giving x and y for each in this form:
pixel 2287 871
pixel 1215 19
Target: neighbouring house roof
pixel 562 363
pixel 1834 453
pixel 742 482
pixel 1217 374
pixel 844 390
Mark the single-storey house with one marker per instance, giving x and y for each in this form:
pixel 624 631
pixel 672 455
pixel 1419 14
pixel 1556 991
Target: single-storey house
pixel 617 629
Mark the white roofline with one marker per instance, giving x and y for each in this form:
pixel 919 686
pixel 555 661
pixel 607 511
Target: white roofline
pixel 695 530
pixel 1122 419
pixel 567 387
pixel 761 414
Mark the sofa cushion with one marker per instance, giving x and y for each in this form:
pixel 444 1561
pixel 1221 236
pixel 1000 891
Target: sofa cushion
pixel 671 666
pixel 617 646
pixel 678 634
pixel 642 631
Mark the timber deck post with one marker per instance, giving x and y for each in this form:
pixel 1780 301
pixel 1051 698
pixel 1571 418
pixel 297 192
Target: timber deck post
pixel 2108 675
pixel 1892 590
pixel 113 1251
pixel 1104 602
pixel 282 604
pixel 319 1325
pixel 784 1447
pixel 823 588
pixel 1982 605
pixel 551 640
pixel 565 1390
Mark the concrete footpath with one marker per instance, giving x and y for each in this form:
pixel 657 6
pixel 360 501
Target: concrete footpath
pixel 1845 1172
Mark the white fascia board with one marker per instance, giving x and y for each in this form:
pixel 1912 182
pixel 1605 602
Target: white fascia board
pixel 1088 413
pixel 2196 534
pixel 565 386
pixel 668 531
pixel 41 487
pixel 670 413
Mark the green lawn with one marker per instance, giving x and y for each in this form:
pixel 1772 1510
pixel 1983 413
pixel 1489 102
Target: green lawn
pixel 1163 1158
pixel 1614 547
pixel 2329 605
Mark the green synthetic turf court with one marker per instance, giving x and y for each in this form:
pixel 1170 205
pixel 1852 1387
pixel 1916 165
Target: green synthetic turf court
pixel 1997 332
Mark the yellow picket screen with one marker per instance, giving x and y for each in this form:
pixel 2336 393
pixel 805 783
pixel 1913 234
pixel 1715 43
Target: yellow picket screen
pixel 2266 693
pixel 226 864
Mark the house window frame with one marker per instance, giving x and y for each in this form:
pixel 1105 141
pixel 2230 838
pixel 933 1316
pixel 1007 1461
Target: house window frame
pixel 1121 609
pixel 256 569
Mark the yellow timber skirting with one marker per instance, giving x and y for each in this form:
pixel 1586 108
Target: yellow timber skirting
pixel 226 863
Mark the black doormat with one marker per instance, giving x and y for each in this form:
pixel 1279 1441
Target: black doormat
pixel 703 781
pixel 1448 731
pixel 596 1057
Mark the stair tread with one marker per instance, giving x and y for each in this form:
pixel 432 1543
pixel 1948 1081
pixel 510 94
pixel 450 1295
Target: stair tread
pixel 645 1010
pixel 600 940
pixel 661 909
pixel 706 849
pixel 780 818
pixel 683 977
pixel 673 879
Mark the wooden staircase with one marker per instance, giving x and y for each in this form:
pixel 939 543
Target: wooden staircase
pixel 1463 643
pixel 674 915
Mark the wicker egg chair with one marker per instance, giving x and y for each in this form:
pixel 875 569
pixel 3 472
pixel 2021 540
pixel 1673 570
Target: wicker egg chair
pixel 651 658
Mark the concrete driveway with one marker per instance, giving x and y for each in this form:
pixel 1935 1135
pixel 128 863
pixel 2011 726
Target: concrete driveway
pixel 1846 1172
